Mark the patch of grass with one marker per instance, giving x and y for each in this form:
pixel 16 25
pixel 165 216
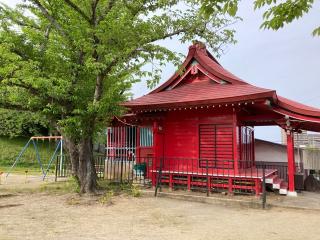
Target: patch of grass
pixel 117 189
pixel 73 201
pixel 69 186
pixel 61 187
pixel 22 170
pixel 106 198
pixel 107 189
pixel 18 189
pixel 135 191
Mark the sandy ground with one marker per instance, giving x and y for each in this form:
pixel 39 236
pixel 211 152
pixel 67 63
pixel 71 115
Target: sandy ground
pixel 21 181
pixel 42 216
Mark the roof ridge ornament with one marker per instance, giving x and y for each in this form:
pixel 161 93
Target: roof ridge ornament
pixel 200 46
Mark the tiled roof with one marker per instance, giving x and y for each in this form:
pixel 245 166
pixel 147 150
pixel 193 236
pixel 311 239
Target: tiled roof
pixel 207 91
pixel 296 107
pixel 202 92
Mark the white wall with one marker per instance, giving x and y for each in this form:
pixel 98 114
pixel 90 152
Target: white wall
pixel 271 152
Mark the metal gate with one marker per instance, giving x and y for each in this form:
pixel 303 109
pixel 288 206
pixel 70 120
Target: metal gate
pixel 63 168
pixel 121 163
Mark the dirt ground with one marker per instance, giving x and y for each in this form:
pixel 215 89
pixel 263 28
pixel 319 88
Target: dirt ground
pixel 22 181
pixel 43 216
pixel 67 216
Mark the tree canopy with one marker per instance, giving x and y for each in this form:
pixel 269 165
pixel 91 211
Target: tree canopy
pixel 277 13
pixel 74 61
pixel 20 123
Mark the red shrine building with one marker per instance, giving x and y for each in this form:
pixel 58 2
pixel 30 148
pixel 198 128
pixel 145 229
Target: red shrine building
pixel 198 129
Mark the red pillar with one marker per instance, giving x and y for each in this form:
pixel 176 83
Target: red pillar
pixel 235 143
pixel 157 148
pixel 230 187
pixel 189 183
pixel 155 152
pixel 253 148
pixel 170 182
pixel 257 185
pixel 291 163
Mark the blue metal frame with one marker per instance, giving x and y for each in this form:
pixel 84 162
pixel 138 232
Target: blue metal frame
pixel 52 158
pixel 19 156
pixel 44 173
pixel 37 155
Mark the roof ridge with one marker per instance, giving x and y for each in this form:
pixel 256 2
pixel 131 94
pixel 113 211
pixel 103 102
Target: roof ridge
pixel 199 52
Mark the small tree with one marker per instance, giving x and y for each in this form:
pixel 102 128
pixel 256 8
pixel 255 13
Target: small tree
pixel 75 60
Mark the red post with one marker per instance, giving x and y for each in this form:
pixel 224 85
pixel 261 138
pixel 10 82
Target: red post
pixel 253 149
pixel 257 184
pixel 230 186
pixel 138 145
pixel 155 158
pixel 291 164
pixel 157 148
pixel 235 143
pixel 154 179
pixel 170 181
pixel 189 182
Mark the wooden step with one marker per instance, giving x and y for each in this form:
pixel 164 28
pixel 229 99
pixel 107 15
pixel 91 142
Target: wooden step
pixel 283 188
pixel 271 179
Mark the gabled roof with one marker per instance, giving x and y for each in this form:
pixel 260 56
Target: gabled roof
pixel 202 80
pixel 201 93
pixel 215 84
pixel 199 53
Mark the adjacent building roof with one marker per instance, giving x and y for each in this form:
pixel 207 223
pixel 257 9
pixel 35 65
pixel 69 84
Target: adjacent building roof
pixel 202 80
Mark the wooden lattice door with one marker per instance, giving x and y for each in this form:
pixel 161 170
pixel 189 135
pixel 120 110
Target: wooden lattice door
pixel 216 146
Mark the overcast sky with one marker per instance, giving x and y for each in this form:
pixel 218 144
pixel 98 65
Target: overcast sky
pixel 287 60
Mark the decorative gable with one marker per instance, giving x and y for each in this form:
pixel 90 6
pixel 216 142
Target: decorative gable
pixel 199 66
pixel 192 74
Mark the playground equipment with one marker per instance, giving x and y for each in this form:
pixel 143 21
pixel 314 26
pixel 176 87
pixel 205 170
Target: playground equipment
pixel 34 142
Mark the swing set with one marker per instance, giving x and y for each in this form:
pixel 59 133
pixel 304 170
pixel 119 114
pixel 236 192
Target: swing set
pixel 34 141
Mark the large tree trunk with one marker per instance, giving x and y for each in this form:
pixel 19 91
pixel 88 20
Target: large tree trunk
pixel 87 172
pixel 82 163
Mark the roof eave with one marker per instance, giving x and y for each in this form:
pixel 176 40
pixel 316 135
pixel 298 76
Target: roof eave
pixel 253 97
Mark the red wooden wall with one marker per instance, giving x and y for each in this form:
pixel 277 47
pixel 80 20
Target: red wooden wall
pixel 181 135
pixel 191 138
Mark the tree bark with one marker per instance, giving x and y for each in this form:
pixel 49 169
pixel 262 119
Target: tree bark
pixel 98 89
pixel 82 163
pixel 86 171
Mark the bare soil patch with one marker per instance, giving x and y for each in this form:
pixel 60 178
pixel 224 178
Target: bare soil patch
pixel 22 181
pixel 68 216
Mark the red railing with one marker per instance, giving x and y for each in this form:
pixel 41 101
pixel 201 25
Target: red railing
pixel 186 173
